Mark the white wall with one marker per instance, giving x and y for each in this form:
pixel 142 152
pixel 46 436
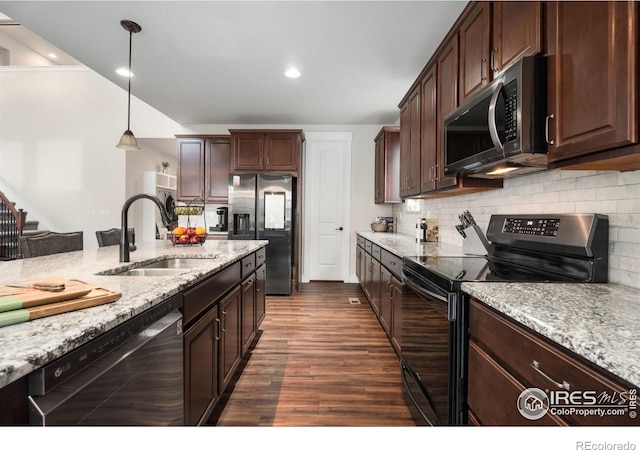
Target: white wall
pixel 58 129
pixel 19 55
pixel 616 194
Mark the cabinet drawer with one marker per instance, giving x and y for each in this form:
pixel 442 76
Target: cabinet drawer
pixel 367 246
pixel 261 256
pixel 361 241
pixel 516 348
pixel 375 251
pixel 393 263
pixel 202 296
pixel 248 264
pixel 493 394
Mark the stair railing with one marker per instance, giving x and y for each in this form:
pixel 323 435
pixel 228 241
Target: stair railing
pixel 12 223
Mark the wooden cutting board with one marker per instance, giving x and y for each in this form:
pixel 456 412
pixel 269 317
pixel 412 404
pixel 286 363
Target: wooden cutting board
pixel 20 298
pixel 97 296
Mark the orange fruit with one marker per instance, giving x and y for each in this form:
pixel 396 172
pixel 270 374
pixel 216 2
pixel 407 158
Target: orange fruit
pixel 178 231
pixel 200 231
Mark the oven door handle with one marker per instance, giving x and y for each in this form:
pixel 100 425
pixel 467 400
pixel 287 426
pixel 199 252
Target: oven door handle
pixel 407 372
pixel 431 291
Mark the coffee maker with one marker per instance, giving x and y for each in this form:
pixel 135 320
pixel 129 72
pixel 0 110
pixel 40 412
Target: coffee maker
pixel 223 222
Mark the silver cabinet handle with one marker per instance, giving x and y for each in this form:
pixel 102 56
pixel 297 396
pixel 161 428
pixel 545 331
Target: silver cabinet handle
pixel 482 75
pixel 492 62
pixel 546 129
pixel 564 385
pixel 218 336
pixel 224 324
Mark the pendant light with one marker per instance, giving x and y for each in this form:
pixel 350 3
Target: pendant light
pixel 128 140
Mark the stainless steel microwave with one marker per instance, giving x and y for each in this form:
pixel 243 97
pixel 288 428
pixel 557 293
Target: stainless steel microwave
pixel 500 130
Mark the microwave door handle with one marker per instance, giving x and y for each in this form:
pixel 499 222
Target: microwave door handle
pixel 493 128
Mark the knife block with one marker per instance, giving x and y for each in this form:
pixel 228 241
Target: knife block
pixel 475 243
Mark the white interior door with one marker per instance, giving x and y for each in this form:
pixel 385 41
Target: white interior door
pixel 327 193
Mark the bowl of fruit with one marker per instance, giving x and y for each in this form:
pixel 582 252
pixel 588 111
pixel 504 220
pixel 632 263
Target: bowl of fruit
pixel 188 235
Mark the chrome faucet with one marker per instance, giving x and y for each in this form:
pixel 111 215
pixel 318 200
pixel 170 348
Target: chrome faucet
pixel 124 235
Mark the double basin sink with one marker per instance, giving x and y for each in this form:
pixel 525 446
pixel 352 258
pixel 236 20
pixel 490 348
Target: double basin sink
pixel 165 267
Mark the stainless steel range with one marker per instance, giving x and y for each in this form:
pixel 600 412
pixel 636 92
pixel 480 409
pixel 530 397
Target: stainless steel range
pixel 543 248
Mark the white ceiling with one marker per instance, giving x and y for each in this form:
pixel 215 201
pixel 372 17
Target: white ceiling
pixel 222 62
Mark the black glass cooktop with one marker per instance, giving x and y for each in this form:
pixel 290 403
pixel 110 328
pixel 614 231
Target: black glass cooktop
pixel 479 268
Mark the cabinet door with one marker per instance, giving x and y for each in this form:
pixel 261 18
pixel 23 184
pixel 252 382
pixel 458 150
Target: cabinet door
pixel 593 68
pixel 429 124
pixel 405 147
pixel 517 32
pixel 447 98
pixel 413 184
pixel 359 263
pixel 368 274
pixel 386 284
pixel 374 287
pixel 379 170
pixel 396 313
pixel 281 152
pixel 474 50
pixel 230 343
pixel 217 170
pixel 248 312
pixel 261 277
pixel 191 161
pixel 201 367
pixel 247 151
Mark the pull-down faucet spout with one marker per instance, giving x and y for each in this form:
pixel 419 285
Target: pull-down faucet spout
pixel 124 236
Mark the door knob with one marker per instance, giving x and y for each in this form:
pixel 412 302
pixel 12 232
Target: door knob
pixel 339 229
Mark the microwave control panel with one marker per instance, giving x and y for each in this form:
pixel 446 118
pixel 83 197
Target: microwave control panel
pixel 511 111
pixel 532 226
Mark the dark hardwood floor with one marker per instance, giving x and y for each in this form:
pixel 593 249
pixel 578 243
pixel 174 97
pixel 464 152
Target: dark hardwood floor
pixel 319 361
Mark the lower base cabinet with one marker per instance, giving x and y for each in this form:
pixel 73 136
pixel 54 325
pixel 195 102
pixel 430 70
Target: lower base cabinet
pixel 218 335
pixel 508 360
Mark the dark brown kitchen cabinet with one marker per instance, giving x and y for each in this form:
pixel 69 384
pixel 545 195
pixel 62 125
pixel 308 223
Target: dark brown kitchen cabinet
pixel 386 300
pixel 201 367
pixel 516 31
pixel 191 166
pixel 475 45
pixel 429 150
pixel 387 165
pixel 410 144
pixel 265 150
pixel 230 339
pixel 203 168
pixel 447 102
pixel 593 84
pixel 261 277
pixel 248 312
pixel 506 357
pixel 360 265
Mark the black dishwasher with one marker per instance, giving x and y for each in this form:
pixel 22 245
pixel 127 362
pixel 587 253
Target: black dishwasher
pixel 130 375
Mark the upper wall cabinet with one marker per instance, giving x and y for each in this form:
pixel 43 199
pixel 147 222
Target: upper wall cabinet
pixel 265 150
pixel 203 168
pixel 492 36
pixel 387 163
pixel 592 85
pixel 410 144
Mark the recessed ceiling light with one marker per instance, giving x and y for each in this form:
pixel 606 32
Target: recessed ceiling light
pixel 124 72
pixel 292 72
pixel 52 56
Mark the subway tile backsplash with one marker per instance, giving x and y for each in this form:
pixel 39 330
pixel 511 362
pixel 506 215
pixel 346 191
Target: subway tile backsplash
pixel 616 194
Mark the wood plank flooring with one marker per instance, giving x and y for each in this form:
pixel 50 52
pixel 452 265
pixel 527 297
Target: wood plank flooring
pixel 319 361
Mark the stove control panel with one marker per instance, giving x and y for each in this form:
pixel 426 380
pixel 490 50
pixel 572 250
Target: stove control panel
pixel 532 226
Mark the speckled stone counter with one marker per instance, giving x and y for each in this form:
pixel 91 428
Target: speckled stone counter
pixel 25 347
pixel 405 245
pixel 600 322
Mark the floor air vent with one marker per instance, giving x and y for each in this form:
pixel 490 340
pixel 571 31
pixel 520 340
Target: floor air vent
pixel 354 301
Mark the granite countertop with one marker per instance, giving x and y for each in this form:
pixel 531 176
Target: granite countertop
pixel 30 345
pixel 600 322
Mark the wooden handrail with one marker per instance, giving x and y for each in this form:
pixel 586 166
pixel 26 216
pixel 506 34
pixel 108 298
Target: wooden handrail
pixel 20 217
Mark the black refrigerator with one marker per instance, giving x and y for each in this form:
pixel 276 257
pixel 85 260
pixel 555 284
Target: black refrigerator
pixel 261 207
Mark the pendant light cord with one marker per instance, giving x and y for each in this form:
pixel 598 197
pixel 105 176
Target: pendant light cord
pixel 129 100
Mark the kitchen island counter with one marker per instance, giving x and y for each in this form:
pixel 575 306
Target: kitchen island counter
pixel 30 345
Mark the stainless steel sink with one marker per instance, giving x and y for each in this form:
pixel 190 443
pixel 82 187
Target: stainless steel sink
pixel 163 268
pixel 146 272
pixel 175 263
